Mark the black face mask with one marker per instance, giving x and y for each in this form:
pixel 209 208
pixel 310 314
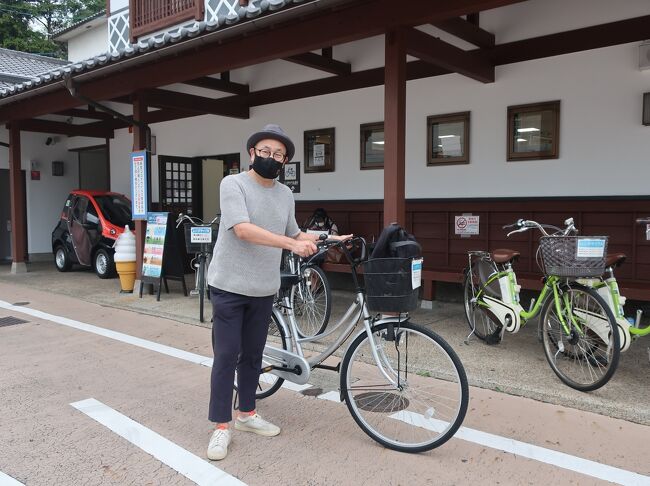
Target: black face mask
pixel 267 167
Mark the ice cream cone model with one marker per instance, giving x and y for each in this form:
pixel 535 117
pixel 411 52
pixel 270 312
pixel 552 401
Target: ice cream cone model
pixel 125 259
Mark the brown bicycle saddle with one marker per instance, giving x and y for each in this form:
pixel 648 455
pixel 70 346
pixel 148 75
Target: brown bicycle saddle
pixel 503 255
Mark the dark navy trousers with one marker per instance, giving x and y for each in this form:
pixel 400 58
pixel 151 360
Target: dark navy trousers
pixel 239 328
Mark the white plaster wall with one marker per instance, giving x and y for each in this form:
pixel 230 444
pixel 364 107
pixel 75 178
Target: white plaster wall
pixel 600 130
pixel 46 196
pixel 118 4
pixel 89 43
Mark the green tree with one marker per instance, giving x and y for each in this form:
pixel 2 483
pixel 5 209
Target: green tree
pixel 28 25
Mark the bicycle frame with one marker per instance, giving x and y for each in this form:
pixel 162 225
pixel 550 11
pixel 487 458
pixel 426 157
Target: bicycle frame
pixel 347 323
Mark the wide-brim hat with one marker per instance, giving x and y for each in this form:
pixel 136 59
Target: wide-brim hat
pixel 274 132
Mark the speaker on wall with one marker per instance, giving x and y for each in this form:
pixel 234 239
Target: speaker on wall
pixel 646 109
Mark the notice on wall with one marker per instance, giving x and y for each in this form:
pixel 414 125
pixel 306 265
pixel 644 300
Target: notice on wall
pixel 319 155
pixel 290 176
pixel 466 225
pixel 139 187
pixel 154 244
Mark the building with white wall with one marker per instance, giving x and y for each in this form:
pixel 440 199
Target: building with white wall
pixel 584 54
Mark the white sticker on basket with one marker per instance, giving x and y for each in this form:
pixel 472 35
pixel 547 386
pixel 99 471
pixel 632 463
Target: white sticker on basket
pixel 590 248
pixel 416 273
pixel 200 234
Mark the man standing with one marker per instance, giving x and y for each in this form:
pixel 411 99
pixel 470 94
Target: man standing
pixel 257 223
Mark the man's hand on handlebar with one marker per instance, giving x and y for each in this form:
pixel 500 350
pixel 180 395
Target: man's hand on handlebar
pixel 304 248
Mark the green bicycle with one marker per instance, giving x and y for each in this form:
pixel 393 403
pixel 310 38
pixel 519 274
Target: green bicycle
pixel 575 324
pixel 607 286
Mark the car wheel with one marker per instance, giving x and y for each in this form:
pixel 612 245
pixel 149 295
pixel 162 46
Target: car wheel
pixel 61 259
pixel 104 264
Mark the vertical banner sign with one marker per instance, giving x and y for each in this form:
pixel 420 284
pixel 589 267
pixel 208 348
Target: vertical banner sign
pixel 154 245
pixel 290 176
pixel 139 189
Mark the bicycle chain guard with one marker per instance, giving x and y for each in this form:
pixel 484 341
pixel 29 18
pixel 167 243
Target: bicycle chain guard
pixel 289 361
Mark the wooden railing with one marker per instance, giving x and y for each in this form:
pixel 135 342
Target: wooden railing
pixel 147 16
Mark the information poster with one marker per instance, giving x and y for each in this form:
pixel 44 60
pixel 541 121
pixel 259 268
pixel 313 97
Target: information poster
pixel 154 245
pixel 466 225
pixel 290 176
pixel 319 155
pixel 139 189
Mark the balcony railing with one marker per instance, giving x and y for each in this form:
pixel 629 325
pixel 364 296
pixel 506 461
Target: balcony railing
pixel 146 16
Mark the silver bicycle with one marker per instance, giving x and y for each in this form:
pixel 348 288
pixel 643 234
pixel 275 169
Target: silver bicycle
pixel 403 384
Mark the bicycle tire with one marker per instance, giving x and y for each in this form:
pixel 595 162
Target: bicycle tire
pixel 477 318
pixel 311 300
pixel 268 383
pixel 585 362
pixel 430 419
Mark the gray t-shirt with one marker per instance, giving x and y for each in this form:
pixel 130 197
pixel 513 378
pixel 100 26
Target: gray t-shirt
pixel 241 267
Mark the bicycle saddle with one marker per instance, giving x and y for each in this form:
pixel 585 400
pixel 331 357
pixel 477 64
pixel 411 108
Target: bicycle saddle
pixel 503 255
pixel 288 280
pixel 615 259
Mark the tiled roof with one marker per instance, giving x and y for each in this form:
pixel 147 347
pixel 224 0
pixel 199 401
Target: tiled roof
pixel 255 9
pixel 16 66
pixel 59 33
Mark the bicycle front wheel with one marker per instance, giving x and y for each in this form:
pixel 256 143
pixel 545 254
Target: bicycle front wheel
pixel 311 300
pixel 586 357
pixel 423 404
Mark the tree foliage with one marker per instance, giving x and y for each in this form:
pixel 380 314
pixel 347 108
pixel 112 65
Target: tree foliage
pixel 28 25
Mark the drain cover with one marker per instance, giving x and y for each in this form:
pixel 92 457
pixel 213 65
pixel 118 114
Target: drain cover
pixel 21 303
pixel 381 402
pixel 11 321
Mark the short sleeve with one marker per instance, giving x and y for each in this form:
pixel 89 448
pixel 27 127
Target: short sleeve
pixel 233 203
pixel 292 227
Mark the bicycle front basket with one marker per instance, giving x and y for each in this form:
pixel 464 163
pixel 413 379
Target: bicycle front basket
pixel 573 256
pixel 197 239
pixel 389 286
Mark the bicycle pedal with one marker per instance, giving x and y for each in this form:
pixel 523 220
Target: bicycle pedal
pixel 494 338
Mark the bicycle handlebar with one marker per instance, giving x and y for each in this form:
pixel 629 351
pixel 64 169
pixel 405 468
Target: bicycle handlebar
pixel 194 220
pixel 525 225
pixel 643 220
pixel 325 244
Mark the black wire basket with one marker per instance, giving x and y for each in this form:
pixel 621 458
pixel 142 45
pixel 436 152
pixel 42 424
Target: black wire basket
pixel 194 247
pixel 389 285
pixel 573 256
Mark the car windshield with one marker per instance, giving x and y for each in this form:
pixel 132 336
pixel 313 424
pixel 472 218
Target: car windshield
pixel 116 209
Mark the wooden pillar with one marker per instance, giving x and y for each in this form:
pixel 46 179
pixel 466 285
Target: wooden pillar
pixel 18 211
pixel 395 128
pixel 140 143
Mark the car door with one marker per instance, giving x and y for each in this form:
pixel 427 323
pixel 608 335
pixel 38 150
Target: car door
pixel 79 227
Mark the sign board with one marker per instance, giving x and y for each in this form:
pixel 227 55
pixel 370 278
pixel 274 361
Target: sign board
pixel 647 232
pixel 290 176
pixel 590 248
pixel 154 245
pixel 416 273
pixel 201 234
pixel 466 225
pixel 139 189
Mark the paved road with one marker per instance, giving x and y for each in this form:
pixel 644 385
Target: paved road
pixel 96 395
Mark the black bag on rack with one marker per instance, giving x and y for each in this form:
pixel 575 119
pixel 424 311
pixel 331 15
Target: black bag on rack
pixel 395 242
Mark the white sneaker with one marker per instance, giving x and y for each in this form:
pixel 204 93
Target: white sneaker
pixel 257 425
pixel 218 446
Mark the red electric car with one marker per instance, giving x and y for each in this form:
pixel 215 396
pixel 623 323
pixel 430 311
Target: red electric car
pixel 90 223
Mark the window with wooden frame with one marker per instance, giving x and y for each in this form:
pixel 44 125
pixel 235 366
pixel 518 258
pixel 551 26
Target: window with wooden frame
pixel 534 131
pixel 372 145
pixel 146 16
pixel 448 139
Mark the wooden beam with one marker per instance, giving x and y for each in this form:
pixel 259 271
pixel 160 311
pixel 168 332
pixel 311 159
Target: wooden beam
pixel 446 56
pixel 395 128
pixel 216 84
pixel 322 63
pixel 18 210
pixel 91 114
pixel 161 98
pixel 466 31
pixel 47 126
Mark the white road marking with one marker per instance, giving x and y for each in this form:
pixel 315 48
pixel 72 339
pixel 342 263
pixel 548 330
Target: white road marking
pixel 192 467
pixel 6 480
pixel 505 444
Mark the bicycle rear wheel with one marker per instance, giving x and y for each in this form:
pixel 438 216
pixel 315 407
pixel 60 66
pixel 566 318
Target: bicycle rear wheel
pixel 477 318
pixel 311 300
pixel 268 382
pixel 587 357
pixel 426 406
